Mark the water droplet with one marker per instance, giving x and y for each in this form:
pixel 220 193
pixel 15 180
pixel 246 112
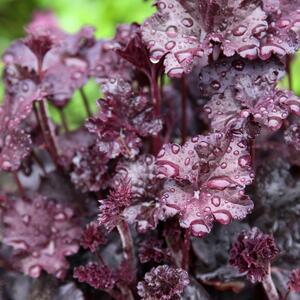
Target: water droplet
pixel 175 148
pixel 187 161
pixel 161 5
pixel 215 84
pixel 6 165
pixel 170 45
pixel 222 216
pixel 274 123
pixel 175 72
pixel 216 201
pixel 34 271
pixel 244 161
pixel 172 31
pixel 259 29
pixel 50 249
pixel 219 183
pixel 249 52
pixel 240 30
pixel 25 87
pixel 60 216
pixel 223 165
pixel 284 23
pixel 8 58
pixel 161 153
pixel 156 55
pixel 26 219
pixel 187 22
pixel 238 65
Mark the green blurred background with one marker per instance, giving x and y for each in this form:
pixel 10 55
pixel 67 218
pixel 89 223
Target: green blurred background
pixel 104 15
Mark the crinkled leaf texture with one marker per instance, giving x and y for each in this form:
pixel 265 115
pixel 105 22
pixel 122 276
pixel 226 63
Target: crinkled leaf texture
pixel 145 210
pixel 124 118
pixel 252 253
pixel 15 140
pixel 163 282
pixel 206 180
pixel 189 30
pixel 238 89
pixel 42 233
pixel 47 63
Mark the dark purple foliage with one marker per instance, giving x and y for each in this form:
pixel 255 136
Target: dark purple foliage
pixel 97 276
pixel 163 282
pixel 93 236
pixel 224 163
pixel 42 233
pixel 111 209
pixel 294 283
pixel 153 249
pixel 146 196
pixel 252 252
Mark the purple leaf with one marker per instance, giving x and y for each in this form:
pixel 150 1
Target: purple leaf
pixel 96 275
pixel 238 89
pixel 187 30
pixel 42 233
pixel 124 118
pixel 207 177
pixel 163 282
pixel 294 283
pixel 252 252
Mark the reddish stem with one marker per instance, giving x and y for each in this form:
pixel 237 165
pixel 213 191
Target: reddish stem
pixel 186 249
pixel 127 242
pixel 63 120
pixel 156 98
pixel 183 110
pixel 269 286
pixel 48 132
pixel 19 185
pixel 39 162
pixel 85 102
pixel 129 255
pixel 289 71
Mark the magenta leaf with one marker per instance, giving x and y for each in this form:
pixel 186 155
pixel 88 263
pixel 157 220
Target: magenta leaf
pixel 42 233
pixel 144 210
pixel 207 178
pixel 88 169
pixel 282 36
pixel 238 89
pixel 124 118
pixel 15 139
pixel 186 31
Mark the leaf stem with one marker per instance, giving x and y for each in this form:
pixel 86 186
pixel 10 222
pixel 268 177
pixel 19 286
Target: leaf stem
pixel 183 110
pixel 127 241
pixel 269 286
pixel 128 252
pixel 186 249
pixel 19 185
pixel 47 131
pixel 156 98
pixel 63 120
pixel 85 102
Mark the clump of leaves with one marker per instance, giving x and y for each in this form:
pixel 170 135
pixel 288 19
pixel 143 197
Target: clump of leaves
pixel 146 197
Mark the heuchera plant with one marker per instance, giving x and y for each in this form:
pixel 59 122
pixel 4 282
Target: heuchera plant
pixel 184 184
